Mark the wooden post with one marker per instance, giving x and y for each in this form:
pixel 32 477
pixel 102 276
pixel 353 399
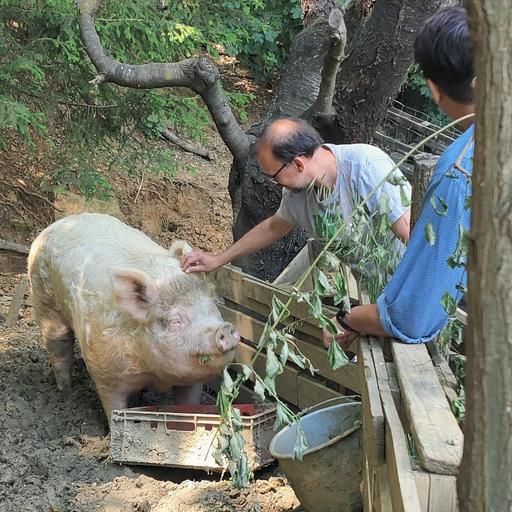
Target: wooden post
pixel 17 301
pixel 424 164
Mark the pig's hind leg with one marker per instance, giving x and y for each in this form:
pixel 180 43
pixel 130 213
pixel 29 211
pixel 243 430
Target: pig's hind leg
pixel 59 341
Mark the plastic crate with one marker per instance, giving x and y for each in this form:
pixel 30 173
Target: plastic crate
pixel 183 436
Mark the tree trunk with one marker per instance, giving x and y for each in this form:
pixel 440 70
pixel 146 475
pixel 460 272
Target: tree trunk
pixel 379 56
pixel 424 165
pixel 254 199
pixel 485 480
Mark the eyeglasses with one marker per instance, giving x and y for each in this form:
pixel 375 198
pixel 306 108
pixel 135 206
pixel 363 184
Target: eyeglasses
pixel 272 178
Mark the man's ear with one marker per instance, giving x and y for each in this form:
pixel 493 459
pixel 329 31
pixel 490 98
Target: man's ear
pixel 437 93
pixel 299 163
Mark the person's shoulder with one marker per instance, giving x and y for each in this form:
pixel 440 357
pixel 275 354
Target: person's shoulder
pixel 457 158
pixel 361 152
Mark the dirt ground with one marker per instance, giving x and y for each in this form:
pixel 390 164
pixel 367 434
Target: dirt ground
pixel 54 446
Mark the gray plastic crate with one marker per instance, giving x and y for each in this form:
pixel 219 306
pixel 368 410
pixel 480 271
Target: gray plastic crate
pixel 184 436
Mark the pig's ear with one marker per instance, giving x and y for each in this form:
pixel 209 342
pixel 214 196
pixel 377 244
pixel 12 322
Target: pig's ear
pixel 136 293
pixel 179 248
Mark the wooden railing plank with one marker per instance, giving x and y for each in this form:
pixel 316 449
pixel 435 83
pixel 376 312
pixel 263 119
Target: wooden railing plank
pixel 373 415
pixel 436 434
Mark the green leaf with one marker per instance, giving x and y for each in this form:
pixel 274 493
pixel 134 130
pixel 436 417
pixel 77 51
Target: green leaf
pixel 325 321
pixel 301 444
pixel 269 337
pixel 449 304
pixel 384 203
pixel 247 371
pixel 430 235
pixel 283 416
pixel 279 310
pixel 336 356
pixel 322 284
pixel 283 356
pixel 227 381
pixel 301 296
pixel 259 389
pixel 341 288
pixel 461 288
pixel 315 306
pixel 297 359
pixel 444 206
pixel 405 197
pixel 460 255
pixel 270 384
pixel 273 367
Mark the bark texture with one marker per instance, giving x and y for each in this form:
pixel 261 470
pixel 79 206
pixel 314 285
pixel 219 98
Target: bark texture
pixel 485 480
pixel 379 55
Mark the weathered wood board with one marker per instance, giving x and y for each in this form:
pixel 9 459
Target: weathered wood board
pixel 437 435
pixel 17 300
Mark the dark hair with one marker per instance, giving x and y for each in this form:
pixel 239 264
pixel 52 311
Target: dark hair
pixel 300 139
pixel 444 51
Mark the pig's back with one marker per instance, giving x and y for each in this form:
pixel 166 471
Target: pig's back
pixel 73 259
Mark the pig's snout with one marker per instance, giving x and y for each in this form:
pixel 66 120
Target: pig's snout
pixel 226 337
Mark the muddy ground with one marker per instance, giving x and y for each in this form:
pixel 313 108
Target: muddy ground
pixel 54 446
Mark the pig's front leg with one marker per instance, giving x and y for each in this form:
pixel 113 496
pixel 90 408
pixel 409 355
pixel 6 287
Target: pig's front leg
pixel 113 398
pixel 187 394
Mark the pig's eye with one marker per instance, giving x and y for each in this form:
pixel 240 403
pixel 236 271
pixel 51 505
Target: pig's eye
pixel 163 323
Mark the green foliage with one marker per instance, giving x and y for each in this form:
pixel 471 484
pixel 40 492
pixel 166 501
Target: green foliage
pixel 17 116
pixel 417 82
pixel 45 75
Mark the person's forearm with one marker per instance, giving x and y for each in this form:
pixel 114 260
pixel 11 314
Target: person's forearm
pixel 258 237
pixel 402 227
pixel 366 320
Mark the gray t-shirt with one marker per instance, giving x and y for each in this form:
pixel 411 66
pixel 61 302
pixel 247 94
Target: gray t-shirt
pixel 361 168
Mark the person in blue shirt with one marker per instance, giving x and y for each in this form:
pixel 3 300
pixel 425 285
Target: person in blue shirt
pixel 433 266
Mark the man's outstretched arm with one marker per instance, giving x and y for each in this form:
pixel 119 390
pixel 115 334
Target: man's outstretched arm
pixel 258 237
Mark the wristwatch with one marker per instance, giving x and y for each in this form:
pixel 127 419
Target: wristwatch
pixel 340 316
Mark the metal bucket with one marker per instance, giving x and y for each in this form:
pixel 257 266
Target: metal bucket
pixel 328 477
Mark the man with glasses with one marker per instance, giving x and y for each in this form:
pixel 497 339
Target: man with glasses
pixel 316 178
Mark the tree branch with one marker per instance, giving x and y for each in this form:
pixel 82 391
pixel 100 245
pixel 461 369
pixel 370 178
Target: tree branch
pixel 313 9
pixel 5 245
pixel 186 146
pixel 200 75
pixel 322 108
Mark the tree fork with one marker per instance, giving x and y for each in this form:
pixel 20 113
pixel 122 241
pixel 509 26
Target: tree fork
pixel 200 75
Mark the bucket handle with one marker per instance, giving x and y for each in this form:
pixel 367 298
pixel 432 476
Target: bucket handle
pixel 307 409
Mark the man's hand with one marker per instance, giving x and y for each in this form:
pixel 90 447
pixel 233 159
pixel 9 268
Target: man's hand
pixel 199 261
pixel 344 338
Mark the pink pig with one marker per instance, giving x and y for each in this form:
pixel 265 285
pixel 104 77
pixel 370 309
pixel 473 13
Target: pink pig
pixel 140 321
